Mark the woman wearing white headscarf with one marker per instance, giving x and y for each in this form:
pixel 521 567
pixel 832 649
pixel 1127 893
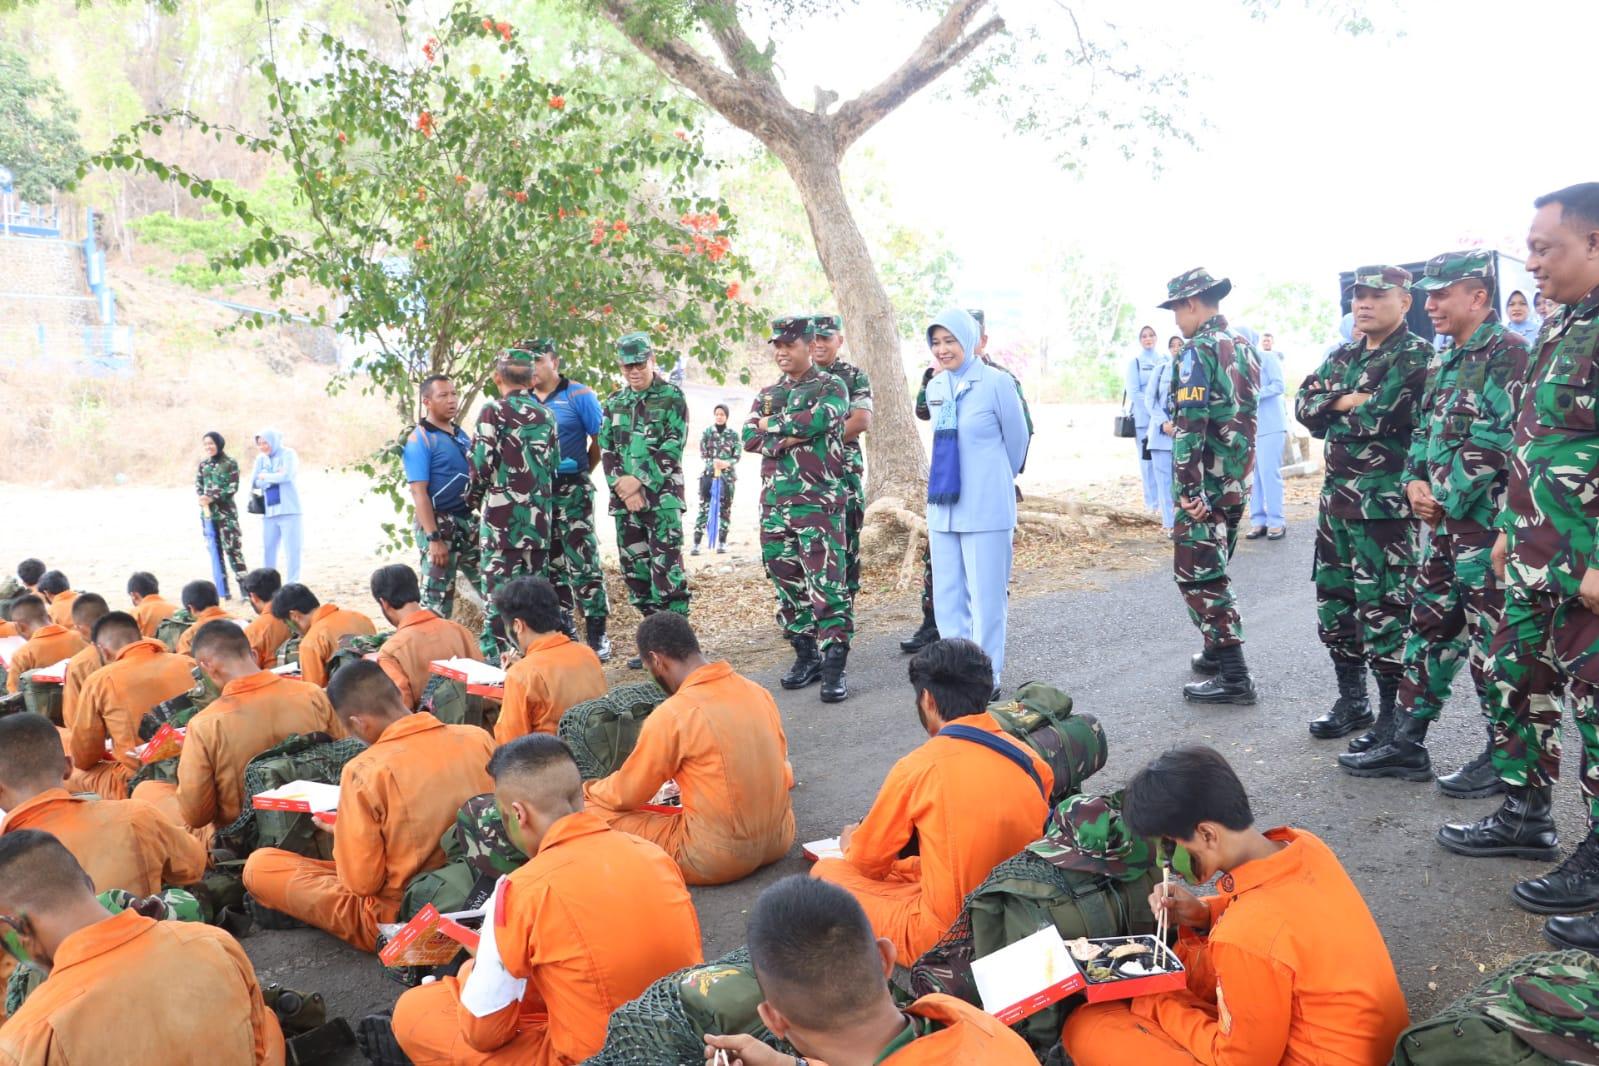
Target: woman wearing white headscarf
pixel 275 476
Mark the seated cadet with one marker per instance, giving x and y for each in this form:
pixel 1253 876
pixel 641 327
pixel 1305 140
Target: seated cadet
pixel 554 673
pixel 87 609
pixel 122 988
pixel 29 571
pixel 584 926
pixel 420 636
pixel 1306 975
pixel 256 711
pixel 149 606
pixel 47 642
pixel 200 600
pixel 57 592
pixel 966 801
pixel 138 675
pixel 320 625
pixel 120 845
pixel 718 735
pixel 266 631
pixel 396 799
pixel 825 981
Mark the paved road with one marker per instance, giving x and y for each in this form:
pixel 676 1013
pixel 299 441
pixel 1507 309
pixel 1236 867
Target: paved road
pixel 1122 651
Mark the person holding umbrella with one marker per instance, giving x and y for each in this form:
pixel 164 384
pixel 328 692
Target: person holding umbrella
pixel 216 483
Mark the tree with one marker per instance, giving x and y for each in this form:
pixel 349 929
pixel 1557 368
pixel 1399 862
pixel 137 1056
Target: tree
pixel 38 136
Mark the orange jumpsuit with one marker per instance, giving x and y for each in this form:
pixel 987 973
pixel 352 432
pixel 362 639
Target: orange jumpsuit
pixel 267 632
pixel 719 736
pixel 61 609
pixel 79 667
pixel 946 1031
pixel 1294 971
pixel 416 642
pixel 151 612
pixel 589 922
pixel 48 646
pixel 119 845
pixel 395 800
pixel 321 640
pixel 186 638
pixel 554 674
pixel 968 809
pixel 8 629
pixel 110 705
pixel 131 990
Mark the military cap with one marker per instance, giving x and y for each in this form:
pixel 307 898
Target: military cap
pixel 1444 270
pixel 634 349
pixel 1087 833
pixel 792 328
pixel 977 313
pixel 1379 277
pixel 519 354
pixel 828 325
pixel 1195 282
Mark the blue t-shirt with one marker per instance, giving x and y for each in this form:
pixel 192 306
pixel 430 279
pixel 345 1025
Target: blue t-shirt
pixel 439 458
pixel 577 418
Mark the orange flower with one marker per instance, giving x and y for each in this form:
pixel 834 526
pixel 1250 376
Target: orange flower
pixel 421 194
pixel 342 138
pixel 560 213
pixel 681 135
pixel 424 122
pixel 557 102
pixel 521 197
pixel 620 228
pixel 430 49
pixel 488 25
pixel 504 29
pixel 460 179
pixel 733 291
pixel 422 244
pixel 607 309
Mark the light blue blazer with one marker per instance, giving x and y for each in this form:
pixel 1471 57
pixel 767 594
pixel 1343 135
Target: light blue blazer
pixel 1139 370
pixel 1271 416
pixel 278 474
pixel 993 445
pixel 1157 398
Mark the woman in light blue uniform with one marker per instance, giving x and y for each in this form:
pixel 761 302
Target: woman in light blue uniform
pixel 1271 430
pixel 979 445
pixel 1158 398
pixel 1139 370
pixel 275 475
pixel 1522 321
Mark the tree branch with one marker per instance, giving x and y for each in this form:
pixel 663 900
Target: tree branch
pixel 740 52
pixel 944 47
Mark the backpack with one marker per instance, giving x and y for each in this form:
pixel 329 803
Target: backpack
pixel 41 697
pixel 173 626
pixel 1540 1010
pixel 602 732
pixel 308 757
pixel 448 701
pixel 1073 745
pixel 1088 876
pixel 352 649
pixel 289 650
pixel 178 710
pixel 478 851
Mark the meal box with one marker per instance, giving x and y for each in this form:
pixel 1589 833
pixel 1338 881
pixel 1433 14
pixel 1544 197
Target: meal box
pixel 54 674
pixel 429 939
pixel 303 797
pixel 480 679
pixel 1173 978
pixel 1023 978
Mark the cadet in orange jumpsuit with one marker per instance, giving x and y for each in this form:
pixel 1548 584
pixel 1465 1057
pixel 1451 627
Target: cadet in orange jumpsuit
pixel 149 607
pixel 396 799
pixel 47 643
pixel 719 737
pixel 138 675
pixel 321 626
pixel 122 988
pixel 121 845
pixel 57 592
pixel 420 636
pixel 200 600
pixel 256 711
pixel 968 803
pixel 825 981
pixel 554 673
pixel 1285 964
pixel 266 631
pixel 591 919
pixel 87 609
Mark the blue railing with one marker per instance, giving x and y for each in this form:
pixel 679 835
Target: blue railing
pixel 18 218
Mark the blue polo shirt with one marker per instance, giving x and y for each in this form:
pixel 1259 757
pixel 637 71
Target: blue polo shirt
pixel 577 418
pixel 439 457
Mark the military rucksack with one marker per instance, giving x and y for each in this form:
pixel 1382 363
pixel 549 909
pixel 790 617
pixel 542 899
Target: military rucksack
pixel 289 650
pixel 478 851
pixel 169 629
pixel 178 710
pixel 1088 876
pixel 308 757
pixel 1073 745
pixel 352 649
pixel 1538 1011
pixel 602 732
pixel 448 700
pixel 41 697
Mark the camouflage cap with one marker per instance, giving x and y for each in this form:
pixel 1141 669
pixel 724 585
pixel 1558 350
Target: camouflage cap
pixel 1379 277
pixel 635 348
pixel 977 313
pixel 518 354
pixel 828 325
pixel 1087 833
pixel 1444 270
pixel 792 328
pixel 1195 282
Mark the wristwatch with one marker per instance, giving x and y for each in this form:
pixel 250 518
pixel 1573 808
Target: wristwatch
pixel 437 535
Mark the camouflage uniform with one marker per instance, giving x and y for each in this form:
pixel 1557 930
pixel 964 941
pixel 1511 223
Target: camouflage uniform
pixel 643 436
pixel 218 478
pixel 858 389
pixel 514 455
pixel 717 442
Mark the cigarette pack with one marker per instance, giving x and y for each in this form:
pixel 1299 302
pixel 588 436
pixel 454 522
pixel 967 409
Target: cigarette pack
pixel 306 797
pixel 480 679
pixel 429 939
pixel 1023 978
pixel 826 848
pixel 1165 971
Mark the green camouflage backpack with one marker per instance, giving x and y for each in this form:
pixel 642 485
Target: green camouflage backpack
pixel 447 700
pixel 352 649
pixel 173 627
pixel 1538 1011
pixel 1073 745
pixel 289 650
pixel 41 697
pixel 478 851
pixel 602 732
pixel 180 708
pixel 311 757
pixel 1088 876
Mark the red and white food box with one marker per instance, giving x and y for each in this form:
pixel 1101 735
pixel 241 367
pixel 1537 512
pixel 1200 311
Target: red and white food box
pixel 55 674
pixel 304 797
pixel 1023 978
pixel 481 679
pixel 1171 977
pixel 429 939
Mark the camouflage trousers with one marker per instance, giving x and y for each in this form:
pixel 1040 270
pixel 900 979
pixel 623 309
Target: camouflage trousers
pixel 1364 571
pixel 1454 611
pixel 1544 640
pixel 650 544
pixel 465 555
pixel 802 547
pixel 854 519
pixel 1199 566
pixel 575 553
pixel 225 520
pixel 501 566
pixel 725 512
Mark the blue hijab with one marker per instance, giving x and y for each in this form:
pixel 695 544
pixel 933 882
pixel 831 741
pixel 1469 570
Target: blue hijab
pixel 944 475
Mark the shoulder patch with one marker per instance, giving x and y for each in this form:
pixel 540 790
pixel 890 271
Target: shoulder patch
pixel 1193 381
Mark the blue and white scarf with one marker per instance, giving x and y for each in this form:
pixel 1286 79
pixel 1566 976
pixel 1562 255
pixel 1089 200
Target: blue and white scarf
pixel 944 475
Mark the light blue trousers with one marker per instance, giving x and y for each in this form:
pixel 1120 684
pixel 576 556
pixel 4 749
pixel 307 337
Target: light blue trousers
pixel 1146 469
pixel 1161 461
pixel 1266 508
pixel 283 529
pixel 971 579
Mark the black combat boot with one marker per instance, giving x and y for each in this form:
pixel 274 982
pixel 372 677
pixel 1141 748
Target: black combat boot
pixel 1231 685
pixel 1205 662
pixel 922 637
pixel 1383 731
pixel 807 664
pixel 833 688
pixel 1477 778
pixel 697 538
pixel 375 1035
pixel 594 633
pixel 1522 828
pixel 267 918
pixel 1352 711
pixel 1569 888
pixel 1580 932
pixel 1404 755
pixel 568 625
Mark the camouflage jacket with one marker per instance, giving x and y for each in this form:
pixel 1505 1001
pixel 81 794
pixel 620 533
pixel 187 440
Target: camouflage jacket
pixel 1367 446
pixel 515 451
pixel 1552 500
pixel 812 408
pixel 1215 383
pixel 1461 445
pixel 858 388
pixel 642 435
pixel 218 478
pixel 720 443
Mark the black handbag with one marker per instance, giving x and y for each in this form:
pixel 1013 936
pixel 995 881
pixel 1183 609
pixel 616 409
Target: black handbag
pixel 257 504
pixel 1124 425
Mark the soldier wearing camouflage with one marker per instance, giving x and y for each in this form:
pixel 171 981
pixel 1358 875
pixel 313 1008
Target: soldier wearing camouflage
pixel 217 480
pixel 1364 401
pixel 514 455
pixel 719 447
pixel 827 338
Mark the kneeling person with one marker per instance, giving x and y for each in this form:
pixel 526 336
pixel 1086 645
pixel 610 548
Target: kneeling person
pixel 420 636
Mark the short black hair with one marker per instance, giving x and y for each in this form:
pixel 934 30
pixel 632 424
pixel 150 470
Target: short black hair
pixel 29 608
pixel 1579 201
pixel 54 582
pixel 395 585
pixel 295 597
pixel 262 583
pixel 533 600
pixel 430 381
pixel 37 869
pixel 1181 788
pixel 198 595
pixel 30 749
pixel 669 634
pixel 143 583
pixel 814 952
pixel 957 672
pixel 221 635
pixel 117 624
pixel 362 687
pixel 88 608
pixel 29 571
pixel 528 756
